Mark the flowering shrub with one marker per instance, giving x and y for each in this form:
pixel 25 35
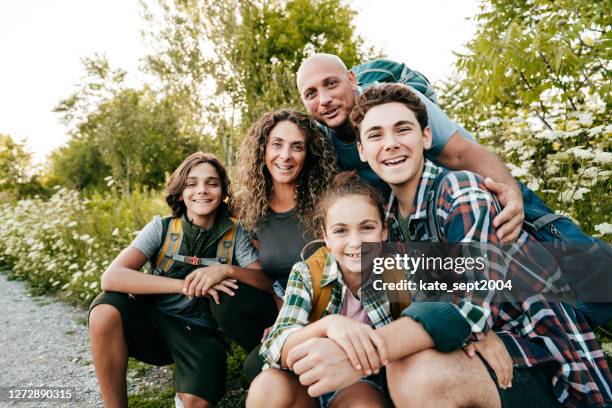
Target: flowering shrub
pixel 63 244
pixel 570 169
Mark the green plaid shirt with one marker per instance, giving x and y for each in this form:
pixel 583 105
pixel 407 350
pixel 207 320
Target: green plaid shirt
pixel 298 304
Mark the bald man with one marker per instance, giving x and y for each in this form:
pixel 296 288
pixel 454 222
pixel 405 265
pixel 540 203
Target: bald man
pixel 328 89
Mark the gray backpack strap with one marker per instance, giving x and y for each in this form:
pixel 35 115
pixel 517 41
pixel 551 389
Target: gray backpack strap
pixel 546 219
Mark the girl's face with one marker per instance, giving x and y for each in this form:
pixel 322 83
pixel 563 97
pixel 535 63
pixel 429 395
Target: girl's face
pixel 285 152
pixel 203 194
pixel 349 221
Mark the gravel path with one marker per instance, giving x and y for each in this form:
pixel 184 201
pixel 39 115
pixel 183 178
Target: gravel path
pixel 44 343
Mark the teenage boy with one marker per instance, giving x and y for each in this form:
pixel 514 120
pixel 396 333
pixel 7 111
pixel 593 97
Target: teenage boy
pixel 546 350
pixel 328 90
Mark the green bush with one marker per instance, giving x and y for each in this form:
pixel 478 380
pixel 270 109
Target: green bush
pixel 63 244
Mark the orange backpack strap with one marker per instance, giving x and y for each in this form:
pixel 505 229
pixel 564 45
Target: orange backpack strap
pixel 171 246
pixel 321 296
pixel 225 247
pixel 398 299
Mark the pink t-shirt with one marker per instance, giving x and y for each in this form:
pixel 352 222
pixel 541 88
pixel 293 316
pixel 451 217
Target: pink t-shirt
pixel 353 309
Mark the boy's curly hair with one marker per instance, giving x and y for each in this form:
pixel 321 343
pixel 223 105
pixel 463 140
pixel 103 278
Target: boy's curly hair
pixel 385 93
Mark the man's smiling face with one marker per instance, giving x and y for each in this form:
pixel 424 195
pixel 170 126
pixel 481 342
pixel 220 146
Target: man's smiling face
pixel 392 143
pixel 327 90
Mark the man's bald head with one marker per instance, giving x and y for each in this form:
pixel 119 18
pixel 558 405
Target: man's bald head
pixel 327 89
pixel 318 61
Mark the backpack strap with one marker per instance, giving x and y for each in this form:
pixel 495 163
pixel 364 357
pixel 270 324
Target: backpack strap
pixel 171 246
pixel 433 222
pixel 321 296
pixel 225 247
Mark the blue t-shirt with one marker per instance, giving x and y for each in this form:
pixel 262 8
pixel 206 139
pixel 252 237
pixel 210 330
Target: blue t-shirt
pixel 442 128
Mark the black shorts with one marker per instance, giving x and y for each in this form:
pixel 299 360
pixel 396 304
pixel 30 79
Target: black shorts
pixel 157 338
pixel 531 387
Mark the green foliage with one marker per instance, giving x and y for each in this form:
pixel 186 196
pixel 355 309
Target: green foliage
pixel 16 178
pixel 550 57
pixel 535 88
pixel 129 134
pixel 248 51
pixel 63 244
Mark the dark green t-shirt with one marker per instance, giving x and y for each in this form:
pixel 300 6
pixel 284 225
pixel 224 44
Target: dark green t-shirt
pixel 281 238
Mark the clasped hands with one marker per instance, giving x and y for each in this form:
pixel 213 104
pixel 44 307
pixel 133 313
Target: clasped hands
pixel 351 350
pixel 210 281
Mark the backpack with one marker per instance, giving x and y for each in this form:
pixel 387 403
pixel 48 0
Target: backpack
pixel 322 296
pixel 586 262
pixel 173 233
pixel 384 70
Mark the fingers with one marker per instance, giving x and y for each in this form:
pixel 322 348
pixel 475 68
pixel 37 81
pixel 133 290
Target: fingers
pixel 188 281
pixel 494 186
pixel 265 333
pixel 470 350
pixel 296 354
pixel 349 349
pixel 371 354
pixel 215 295
pixel 221 287
pixel 317 389
pixel 309 377
pixel 379 343
pixel 301 364
pixel 510 228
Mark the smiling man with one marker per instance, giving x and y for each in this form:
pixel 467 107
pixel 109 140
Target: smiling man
pixel 539 353
pixel 328 90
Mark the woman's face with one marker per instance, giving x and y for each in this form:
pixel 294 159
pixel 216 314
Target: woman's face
pixel 203 194
pixel 285 153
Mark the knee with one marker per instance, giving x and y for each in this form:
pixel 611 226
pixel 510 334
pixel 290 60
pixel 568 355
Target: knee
pixel 272 379
pixel 416 379
pixel 103 320
pixel 192 401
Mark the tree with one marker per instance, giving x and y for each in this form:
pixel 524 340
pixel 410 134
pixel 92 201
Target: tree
pixel 15 162
pixel 130 134
pixel 535 86
pixel 550 58
pixel 230 61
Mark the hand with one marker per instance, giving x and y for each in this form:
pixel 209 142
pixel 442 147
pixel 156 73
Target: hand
pixel 363 346
pixel 225 286
pixel 322 366
pixel 510 221
pixel 265 333
pixel 198 282
pixel 493 350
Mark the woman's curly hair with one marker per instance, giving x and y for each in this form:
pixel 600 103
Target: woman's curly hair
pixel 255 182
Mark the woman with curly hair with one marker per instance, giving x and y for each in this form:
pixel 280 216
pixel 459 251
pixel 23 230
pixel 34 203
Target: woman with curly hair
pixel 285 165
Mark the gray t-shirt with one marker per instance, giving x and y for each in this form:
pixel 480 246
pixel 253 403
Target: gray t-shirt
pixel 195 310
pixel 150 239
pixel 281 238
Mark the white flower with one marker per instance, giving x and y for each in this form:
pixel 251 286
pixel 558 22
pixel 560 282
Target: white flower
pixel 71 224
pixel 518 171
pixel 585 118
pixel 603 157
pixel 93 285
pixel 579 194
pixel 84 237
pixel 512 145
pixel 115 232
pixel 604 229
pixel 580 153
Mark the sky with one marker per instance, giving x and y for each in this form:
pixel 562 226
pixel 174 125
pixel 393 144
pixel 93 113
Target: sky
pixel 42 43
